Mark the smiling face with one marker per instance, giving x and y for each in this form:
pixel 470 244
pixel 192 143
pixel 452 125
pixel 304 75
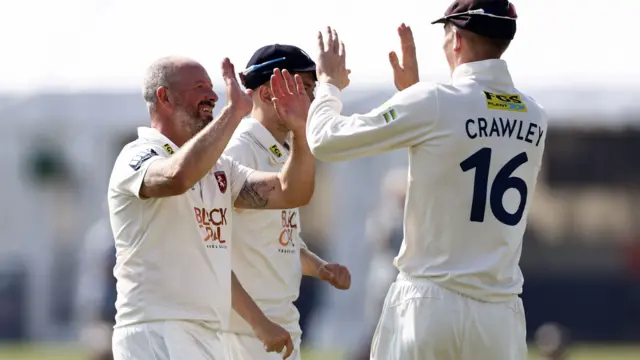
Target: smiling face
pixel 193 98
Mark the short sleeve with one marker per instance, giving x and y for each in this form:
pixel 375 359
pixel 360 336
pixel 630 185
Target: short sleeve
pixel 303 245
pixel 238 174
pixel 239 149
pixel 131 166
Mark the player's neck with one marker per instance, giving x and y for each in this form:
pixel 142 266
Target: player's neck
pixel 470 58
pixel 169 132
pixel 276 129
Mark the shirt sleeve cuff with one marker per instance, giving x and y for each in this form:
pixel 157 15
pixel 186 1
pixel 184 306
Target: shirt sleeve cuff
pixel 326 89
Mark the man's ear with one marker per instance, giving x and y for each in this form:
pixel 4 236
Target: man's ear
pixel 457 40
pixel 265 94
pixel 163 96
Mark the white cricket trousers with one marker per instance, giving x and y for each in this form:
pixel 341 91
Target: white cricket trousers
pixel 168 340
pixel 424 321
pixel 248 347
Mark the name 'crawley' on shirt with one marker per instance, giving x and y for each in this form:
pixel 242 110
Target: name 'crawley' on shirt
pixel 475 150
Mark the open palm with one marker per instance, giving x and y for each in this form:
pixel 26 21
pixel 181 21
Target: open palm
pixel 236 97
pixel 290 99
pixel 405 71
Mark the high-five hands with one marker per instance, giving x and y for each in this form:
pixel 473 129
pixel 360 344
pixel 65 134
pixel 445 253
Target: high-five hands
pixel 405 72
pixel 290 99
pixel 331 65
pixel 237 99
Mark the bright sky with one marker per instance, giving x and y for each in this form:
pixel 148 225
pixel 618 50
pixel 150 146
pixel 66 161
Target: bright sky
pixel 106 44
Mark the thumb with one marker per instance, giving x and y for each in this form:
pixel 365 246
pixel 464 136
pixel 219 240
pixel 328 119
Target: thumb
pixel 395 63
pixel 325 274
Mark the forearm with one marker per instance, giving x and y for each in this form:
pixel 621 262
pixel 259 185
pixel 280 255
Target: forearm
pixel 405 120
pixel 334 137
pixel 199 155
pixel 244 305
pixel 310 262
pixel 297 177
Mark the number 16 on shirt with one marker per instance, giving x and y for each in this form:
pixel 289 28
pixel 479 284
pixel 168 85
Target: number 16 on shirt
pixel 481 162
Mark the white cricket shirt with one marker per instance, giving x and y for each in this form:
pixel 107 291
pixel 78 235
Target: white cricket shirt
pixel 173 254
pixel 266 250
pixel 475 150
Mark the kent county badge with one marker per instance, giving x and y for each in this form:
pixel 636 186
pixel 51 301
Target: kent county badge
pixel 221 179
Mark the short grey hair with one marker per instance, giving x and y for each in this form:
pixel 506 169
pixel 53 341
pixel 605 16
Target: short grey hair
pixel 161 73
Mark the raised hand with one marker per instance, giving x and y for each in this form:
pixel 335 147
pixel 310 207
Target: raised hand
pixel 237 99
pixel 331 65
pixel 290 99
pixel 405 72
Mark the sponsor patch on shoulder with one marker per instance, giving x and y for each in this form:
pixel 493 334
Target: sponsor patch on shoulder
pixel 276 151
pixel 506 102
pixel 144 155
pixel 169 149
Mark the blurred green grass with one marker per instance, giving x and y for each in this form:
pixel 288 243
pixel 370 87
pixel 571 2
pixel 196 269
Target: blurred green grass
pixel 66 352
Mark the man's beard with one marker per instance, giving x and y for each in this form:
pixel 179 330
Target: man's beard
pixel 191 120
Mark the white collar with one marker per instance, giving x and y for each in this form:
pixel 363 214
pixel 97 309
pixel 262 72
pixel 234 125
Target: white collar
pixel 494 71
pixel 263 136
pixel 150 133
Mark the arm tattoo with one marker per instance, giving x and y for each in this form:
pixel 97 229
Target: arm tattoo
pixel 255 193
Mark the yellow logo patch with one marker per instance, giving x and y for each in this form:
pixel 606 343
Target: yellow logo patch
pixel 276 151
pixel 505 102
pixel 169 149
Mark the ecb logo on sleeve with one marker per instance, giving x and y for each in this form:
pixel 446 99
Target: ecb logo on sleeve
pixel 276 151
pixel 505 102
pixel 390 115
pixel 144 155
pixel 221 179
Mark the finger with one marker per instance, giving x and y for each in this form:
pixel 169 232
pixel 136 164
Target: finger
pixel 347 280
pixel 343 51
pixel 320 42
pixel 341 281
pixel 336 42
pixel 273 347
pixel 395 63
pixel 288 79
pixel 325 275
pixel 410 34
pixel 227 69
pixel 277 86
pixel 299 85
pixel 329 45
pixel 289 346
pixel 406 38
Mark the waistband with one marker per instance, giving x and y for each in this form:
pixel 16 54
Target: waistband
pixel 406 277
pixel 423 280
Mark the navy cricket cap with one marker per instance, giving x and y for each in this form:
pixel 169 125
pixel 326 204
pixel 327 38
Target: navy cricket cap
pixel 261 65
pixel 490 18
